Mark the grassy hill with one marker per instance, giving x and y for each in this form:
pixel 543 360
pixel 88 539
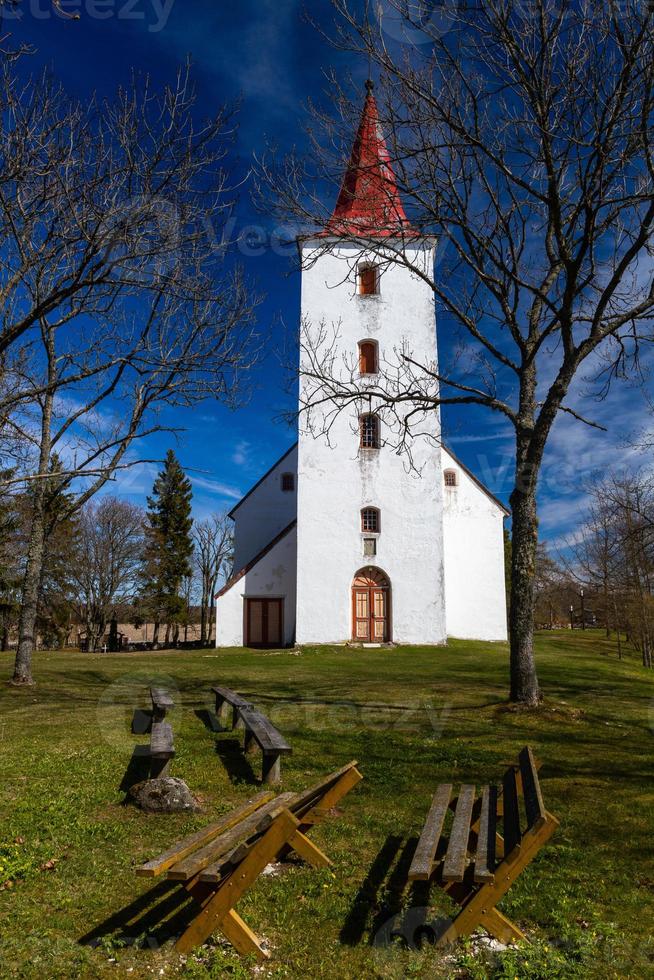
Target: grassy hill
pixel 412 717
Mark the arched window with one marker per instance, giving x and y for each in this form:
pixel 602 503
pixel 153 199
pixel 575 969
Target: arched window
pixel 370 520
pixel 369 431
pixel 450 477
pixel 368 357
pixel 367 280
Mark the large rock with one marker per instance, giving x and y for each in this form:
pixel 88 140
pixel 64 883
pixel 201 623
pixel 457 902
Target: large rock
pixel 164 795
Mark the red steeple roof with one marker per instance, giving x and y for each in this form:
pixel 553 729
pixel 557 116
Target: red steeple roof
pixel 369 203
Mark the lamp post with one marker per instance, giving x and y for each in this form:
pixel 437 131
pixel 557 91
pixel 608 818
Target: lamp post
pixel 583 615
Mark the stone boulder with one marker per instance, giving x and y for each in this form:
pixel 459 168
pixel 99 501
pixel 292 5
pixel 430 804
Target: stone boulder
pixel 164 795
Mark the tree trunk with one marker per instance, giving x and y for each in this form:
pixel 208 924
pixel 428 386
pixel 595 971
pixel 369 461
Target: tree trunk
pixel 203 621
pixel 35 549
pixel 31 589
pixel 155 635
pixel 524 541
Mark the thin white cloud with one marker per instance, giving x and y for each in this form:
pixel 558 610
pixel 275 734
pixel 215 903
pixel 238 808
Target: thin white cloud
pixel 215 486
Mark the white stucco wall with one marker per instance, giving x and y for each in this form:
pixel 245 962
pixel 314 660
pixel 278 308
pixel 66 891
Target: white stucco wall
pixel 272 577
pixel 475 598
pixel 336 479
pixel 265 512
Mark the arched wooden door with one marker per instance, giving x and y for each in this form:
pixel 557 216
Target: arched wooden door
pixel 371 599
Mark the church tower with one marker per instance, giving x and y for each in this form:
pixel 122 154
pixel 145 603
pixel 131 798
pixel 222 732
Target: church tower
pixel 369 525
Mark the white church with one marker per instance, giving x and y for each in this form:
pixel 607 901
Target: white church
pixel 341 541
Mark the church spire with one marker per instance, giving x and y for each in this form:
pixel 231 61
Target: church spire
pixel 369 203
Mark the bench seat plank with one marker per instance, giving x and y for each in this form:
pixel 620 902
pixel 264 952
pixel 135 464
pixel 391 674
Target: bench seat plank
pixel 269 740
pixel 457 848
pixel 161 699
pixel 231 697
pixel 534 806
pixel 192 865
pixel 485 856
pixel 161 740
pixel 184 847
pixel 423 859
pixel 309 798
pixel 511 813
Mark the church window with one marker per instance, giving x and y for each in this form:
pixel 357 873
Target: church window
pixel 370 521
pixel 369 427
pixel 288 482
pixel 368 357
pixel 368 280
pixel 450 478
pixel 369 547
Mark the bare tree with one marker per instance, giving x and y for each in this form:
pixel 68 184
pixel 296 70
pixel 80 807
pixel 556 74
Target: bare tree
pixel 522 138
pixel 108 553
pixel 614 554
pixel 213 553
pixel 117 297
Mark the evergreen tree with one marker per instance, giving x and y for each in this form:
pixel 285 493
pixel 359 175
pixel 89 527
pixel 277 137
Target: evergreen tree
pixel 169 546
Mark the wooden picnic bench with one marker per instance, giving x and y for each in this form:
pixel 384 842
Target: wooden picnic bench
pixel 259 731
pixel 474 864
pixel 218 864
pixel 224 696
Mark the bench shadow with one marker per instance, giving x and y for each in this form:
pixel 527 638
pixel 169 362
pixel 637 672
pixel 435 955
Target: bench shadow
pixel 141 722
pixel 366 901
pixel 150 920
pixel 209 720
pixel 230 753
pixel 138 768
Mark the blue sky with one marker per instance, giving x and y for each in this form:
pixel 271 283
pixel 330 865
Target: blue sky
pixel 263 53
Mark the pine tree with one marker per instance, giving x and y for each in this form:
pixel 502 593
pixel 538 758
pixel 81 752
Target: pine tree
pixel 169 546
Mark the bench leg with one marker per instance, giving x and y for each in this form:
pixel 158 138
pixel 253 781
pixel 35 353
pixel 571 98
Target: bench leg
pixel 214 912
pixel 502 928
pixel 237 721
pixel 249 744
pixel 220 707
pixel 308 851
pixel 271 772
pixel 159 767
pixel 340 788
pixel 241 936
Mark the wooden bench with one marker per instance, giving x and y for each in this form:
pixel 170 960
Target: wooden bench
pixel 474 864
pixel 259 731
pixel 161 703
pixel 224 696
pixel 218 864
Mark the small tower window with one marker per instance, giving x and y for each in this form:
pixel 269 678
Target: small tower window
pixel 451 479
pixel 368 357
pixel 368 280
pixel 370 521
pixel 288 482
pixel 369 547
pixel 369 429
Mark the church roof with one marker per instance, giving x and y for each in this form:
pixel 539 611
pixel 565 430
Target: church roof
pixel 233 579
pixel 369 203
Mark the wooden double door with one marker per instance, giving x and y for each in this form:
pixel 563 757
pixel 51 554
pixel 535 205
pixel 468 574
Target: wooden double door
pixel 370 607
pixel 263 622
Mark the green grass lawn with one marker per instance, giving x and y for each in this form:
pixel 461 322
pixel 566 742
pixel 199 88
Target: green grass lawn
pixel 412 717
